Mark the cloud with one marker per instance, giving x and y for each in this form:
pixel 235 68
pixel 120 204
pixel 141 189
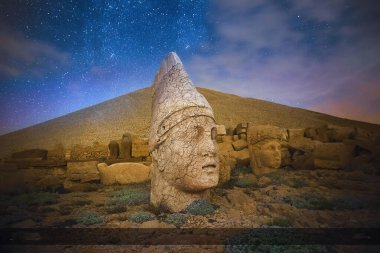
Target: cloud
pixel 260 53
pixel 21 56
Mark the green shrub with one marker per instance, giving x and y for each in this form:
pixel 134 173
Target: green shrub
pixel 281 222
pixel 132 195
pixel 115 208
pixel 89 218
pixel 140 217
pixel 177 219
pixel 200 207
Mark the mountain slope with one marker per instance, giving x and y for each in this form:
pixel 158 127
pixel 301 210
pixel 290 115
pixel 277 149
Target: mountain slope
pixel 131 113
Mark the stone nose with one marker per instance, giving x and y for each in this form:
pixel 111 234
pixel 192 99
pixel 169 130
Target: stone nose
pixel 207 148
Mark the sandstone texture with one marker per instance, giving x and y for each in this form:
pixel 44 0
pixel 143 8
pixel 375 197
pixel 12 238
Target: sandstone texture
pixel 182 140
pixel 265 147
pixel 83 171
pixel 123 173
pixel 140 147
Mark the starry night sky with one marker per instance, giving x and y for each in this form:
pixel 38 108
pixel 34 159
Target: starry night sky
pixel 57 57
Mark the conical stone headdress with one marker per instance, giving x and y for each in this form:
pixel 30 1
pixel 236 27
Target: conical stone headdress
pixel 175 99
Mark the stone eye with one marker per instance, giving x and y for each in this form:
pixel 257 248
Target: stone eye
pixel 213 133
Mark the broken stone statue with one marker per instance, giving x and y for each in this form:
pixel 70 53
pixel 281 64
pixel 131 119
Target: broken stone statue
pixel 264 143
pixel 182 140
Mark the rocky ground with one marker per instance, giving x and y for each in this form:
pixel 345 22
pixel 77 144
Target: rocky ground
pixel 288 198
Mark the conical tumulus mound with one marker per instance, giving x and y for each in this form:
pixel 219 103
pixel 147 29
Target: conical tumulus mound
pixel 182 140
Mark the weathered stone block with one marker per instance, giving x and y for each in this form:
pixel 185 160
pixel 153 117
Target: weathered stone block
pixel 221 130
pixel 332 155
pixel 239 145
pixel 31 154
pixel 113 148
pixel 235 137
pixel 83 171
pixel 302 143
pixel 126 146
pixel 296 133
pixel 258 133
pixel 339 133
pixel 123 173
pixel 140 147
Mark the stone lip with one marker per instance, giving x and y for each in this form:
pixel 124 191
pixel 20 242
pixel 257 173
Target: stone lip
pixel 167 64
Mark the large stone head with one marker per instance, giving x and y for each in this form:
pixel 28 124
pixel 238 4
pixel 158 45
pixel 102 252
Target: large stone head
pixel 265 148
pixel 182 139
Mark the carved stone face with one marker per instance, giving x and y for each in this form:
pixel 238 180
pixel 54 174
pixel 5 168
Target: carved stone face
pixel 265 156
pixel 270 154
pixel 188 157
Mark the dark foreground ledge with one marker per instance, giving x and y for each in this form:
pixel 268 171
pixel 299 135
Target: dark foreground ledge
pixel 188 236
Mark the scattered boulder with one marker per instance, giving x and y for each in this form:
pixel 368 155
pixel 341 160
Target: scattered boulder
pixel 332 155
pixel 126 146
pixel 239 145
pixel 339 133
pixel 123 173
pixel 319 134
pixel 31 154
pixel 113 147
pixel 83 172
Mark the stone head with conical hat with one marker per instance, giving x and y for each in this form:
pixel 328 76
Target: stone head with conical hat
pixel 182 139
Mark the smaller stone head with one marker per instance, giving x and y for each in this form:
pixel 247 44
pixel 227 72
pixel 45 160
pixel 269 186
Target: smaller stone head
pixel 265 148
